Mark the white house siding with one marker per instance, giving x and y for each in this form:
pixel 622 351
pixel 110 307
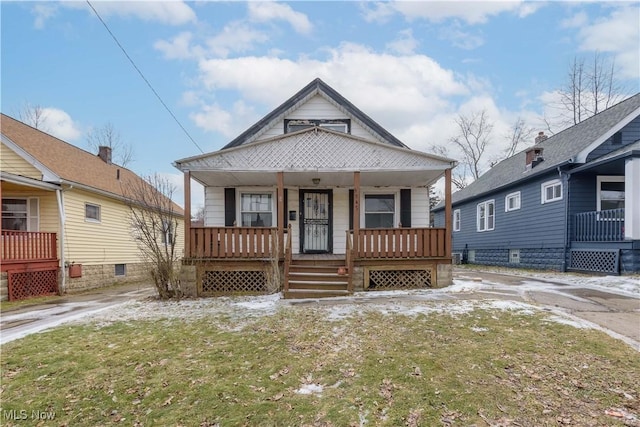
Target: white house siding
pixel 14 164
pixel 321 109
pixel 340 219
pixel 214 207
pixel 419 207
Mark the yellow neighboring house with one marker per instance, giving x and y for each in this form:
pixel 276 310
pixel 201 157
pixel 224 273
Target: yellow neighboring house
pixel 65 221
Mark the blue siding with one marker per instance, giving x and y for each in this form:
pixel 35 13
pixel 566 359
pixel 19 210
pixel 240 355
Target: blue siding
pixel 630 134
pixel 537 229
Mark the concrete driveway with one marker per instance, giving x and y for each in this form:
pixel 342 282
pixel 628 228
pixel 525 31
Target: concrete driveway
pixel 29 319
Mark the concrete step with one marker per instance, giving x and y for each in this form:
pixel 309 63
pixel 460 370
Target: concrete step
pixel 310 294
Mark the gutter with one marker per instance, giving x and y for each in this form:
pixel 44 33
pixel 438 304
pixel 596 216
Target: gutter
pixel 63 287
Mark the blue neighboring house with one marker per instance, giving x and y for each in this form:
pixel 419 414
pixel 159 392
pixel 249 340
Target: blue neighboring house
pixel 569 202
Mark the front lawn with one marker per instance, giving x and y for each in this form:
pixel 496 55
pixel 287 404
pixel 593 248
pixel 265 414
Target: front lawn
pixel 312 365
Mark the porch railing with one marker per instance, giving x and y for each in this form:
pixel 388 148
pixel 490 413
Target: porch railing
pixel 231 242
pixel 401 243
pixel 24 246
pixel 599 226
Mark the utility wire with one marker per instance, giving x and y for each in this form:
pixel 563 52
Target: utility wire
pixel 144 78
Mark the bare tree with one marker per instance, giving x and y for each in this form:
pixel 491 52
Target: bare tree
pixel 459 173
pixel 475 131
pixel 519 134
pixel 33 115
pixel 108 136
pixel 154 221
pixel 591 86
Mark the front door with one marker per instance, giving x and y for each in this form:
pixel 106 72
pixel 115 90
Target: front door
pixel 315 221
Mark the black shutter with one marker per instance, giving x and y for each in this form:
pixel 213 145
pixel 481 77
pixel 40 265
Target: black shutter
pixel 350 209
pixel 405 207
pixel 286 208
pixel 229 207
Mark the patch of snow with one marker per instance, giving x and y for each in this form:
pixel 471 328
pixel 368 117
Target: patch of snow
pixel 478 329
pixel 310 389
pixel 578 324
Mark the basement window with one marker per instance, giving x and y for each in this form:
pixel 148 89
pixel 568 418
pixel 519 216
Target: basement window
pixel 514 256
pixel 120 270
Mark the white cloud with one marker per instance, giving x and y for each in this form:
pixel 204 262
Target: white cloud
pixel 472 12
pixel 404 44
pixel 265 11
pixel 42 12
pixel 235 37
pixel 165 12
pixel 59 124
pixel 460 38
pixel 618 33
pixel 179 47
pixel 214 118
pixel 576 21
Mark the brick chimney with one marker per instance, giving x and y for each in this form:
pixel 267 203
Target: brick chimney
pixel 541 137
pixel 534 157
pixel 104 153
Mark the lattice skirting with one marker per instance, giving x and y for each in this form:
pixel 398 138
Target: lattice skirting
pixel 220 282
pixel 27 284
pixel 394 278
pixel 596 260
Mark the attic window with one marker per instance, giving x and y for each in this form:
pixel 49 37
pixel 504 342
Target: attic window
pixel 338 125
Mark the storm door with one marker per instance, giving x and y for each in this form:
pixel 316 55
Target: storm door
pixel 315 221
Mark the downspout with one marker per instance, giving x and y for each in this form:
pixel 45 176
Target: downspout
pixel 63 287
pixel 566 220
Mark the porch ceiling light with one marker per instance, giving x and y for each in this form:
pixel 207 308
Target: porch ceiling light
pixel 315 181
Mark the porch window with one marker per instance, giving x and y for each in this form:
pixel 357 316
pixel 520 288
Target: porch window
pixel 91 212
pixel 256 209
pixel 551 191
pixel 610 192
pixel 512 202
pixel 20 214
pixel 379 210
pixel 456 220
pixel 167 232
pixel 486 215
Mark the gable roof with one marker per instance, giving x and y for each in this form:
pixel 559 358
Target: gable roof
pixel 317 86
pixel 62 162
pixel 572 145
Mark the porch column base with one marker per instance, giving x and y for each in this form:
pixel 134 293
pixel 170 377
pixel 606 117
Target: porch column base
pixel 444 275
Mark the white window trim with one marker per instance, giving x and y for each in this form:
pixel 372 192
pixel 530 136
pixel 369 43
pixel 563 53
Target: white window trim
pixel 457 225
pixel 95 221
pixel 256 190
pixel 29 216
pixel 329 125
pixel 396 205
pixel 604 178
pixel 543 191
pixel 515 194
pixel 486 217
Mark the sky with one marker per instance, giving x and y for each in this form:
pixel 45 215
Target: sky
pixel 189 76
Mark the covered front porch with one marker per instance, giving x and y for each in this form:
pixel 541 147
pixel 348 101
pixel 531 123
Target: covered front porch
pixel 349 222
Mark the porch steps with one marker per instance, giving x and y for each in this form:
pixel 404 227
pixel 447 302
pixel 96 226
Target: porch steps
pixel 316 279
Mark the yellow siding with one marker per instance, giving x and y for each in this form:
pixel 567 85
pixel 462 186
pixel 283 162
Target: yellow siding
pixel 48 211
pixel 108 242
pixel 11 162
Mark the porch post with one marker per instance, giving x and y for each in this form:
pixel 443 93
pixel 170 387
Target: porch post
pixel 281 213
pixel 356 212
pixel 187 214
pixel 632 199
pixel 447 213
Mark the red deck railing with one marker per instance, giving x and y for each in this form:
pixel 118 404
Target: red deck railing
pixel 231 242
pixel 25 246
pixel 401 243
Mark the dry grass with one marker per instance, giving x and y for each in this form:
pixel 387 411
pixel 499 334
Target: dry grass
pixel 482 368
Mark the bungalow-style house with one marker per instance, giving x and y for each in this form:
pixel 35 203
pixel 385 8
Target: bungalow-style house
pixel 569 202
pixel 65 220
pixel 316 199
